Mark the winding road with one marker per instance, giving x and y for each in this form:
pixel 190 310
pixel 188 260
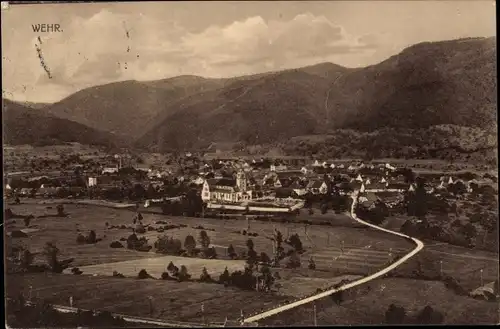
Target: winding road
pixel 419 246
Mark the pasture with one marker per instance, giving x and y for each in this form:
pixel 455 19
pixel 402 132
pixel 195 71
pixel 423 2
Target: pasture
pixel 178 301
pixel 156 266
pixel 367 305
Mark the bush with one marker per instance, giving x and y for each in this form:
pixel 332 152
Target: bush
pixel 264 258
pixel 139 228
pixel 143 274
pixel 312 264
pixel 183 274
pixel 174 270
pixel 27 221
pixel 295 242
pixel 168 245
pixel 205 277
pixel 118 275
pixel 189 244
pixel 18 234
pixel 429 316
pixel 231 252
pixel 116 244
pixel 395 314
pixel 165 276
pixel 80 239
pixel 293 261
pixel 225 278
pixel 92 238
pixel 76 271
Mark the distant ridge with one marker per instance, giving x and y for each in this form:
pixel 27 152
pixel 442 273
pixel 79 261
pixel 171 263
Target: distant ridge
pixel 426 85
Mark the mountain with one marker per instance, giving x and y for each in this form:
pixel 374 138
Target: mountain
pixel 428 84
pixel 416 93
pixel 23 125
pixel 33 105
pixel 127 108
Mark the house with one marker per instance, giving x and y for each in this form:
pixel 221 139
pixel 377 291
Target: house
pixel 397 187
pixel 198 180
pixel 391 199
pixel 226 189
pixel 109 170
pixel 375 187
pixel 277 167
pixel 357 186
pixel 92 181
pixel 317 187
pixel 388 166
pixel 368 199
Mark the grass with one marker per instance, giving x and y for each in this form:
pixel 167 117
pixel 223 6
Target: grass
pixel 156 266
pixel 178 301
pixel 367 305
pixel 365 249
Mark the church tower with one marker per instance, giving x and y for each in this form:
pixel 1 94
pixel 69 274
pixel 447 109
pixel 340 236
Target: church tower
pixel 241 181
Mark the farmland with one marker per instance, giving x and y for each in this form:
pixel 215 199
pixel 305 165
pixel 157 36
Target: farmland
pixel 370 302
pixel 364 251
pixel 342 250
pixel 179 301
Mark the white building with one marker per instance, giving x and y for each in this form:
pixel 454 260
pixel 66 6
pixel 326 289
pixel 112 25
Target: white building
pixel 225 189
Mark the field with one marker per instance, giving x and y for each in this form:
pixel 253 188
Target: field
pixel 156 266
pixel 178 301
pixel 368 305
pixel 364 252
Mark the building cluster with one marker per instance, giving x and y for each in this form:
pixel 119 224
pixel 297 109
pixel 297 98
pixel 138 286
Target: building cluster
pixel 237 180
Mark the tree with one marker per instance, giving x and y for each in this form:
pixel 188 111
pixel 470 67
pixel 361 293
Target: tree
pixel 205 277
pixel 312 264
pixel 183 274
pixel 266 278
pixel 26 259
pixel 264 258
pixel 27 221
pixel 224 277
pixel 51 252
pixel 204 239
pixel 168 245
pixel 60 210
pixel 92 237
pixel 324 208
pixel 395 314
pixel 231 252
pixel 293 260
pixel 189 244
pixel 250 244
pixel 429 316
pixel 295 242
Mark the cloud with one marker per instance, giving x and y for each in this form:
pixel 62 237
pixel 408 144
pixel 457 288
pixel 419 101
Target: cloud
pixel 111 46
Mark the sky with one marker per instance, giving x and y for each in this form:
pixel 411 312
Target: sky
pixel 101 43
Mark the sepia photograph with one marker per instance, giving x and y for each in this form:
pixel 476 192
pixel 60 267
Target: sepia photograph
pixel 249 163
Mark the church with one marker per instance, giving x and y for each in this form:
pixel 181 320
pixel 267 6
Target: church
pixel 227 189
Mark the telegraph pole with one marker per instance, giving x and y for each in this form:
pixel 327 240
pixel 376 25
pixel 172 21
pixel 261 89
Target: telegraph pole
pixel 441 268
pixel 481 274
pixel 315 317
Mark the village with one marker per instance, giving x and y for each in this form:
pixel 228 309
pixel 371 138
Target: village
pixel 251 223
pixel 270 186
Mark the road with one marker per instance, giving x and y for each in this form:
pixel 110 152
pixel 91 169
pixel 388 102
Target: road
pixel 419 246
